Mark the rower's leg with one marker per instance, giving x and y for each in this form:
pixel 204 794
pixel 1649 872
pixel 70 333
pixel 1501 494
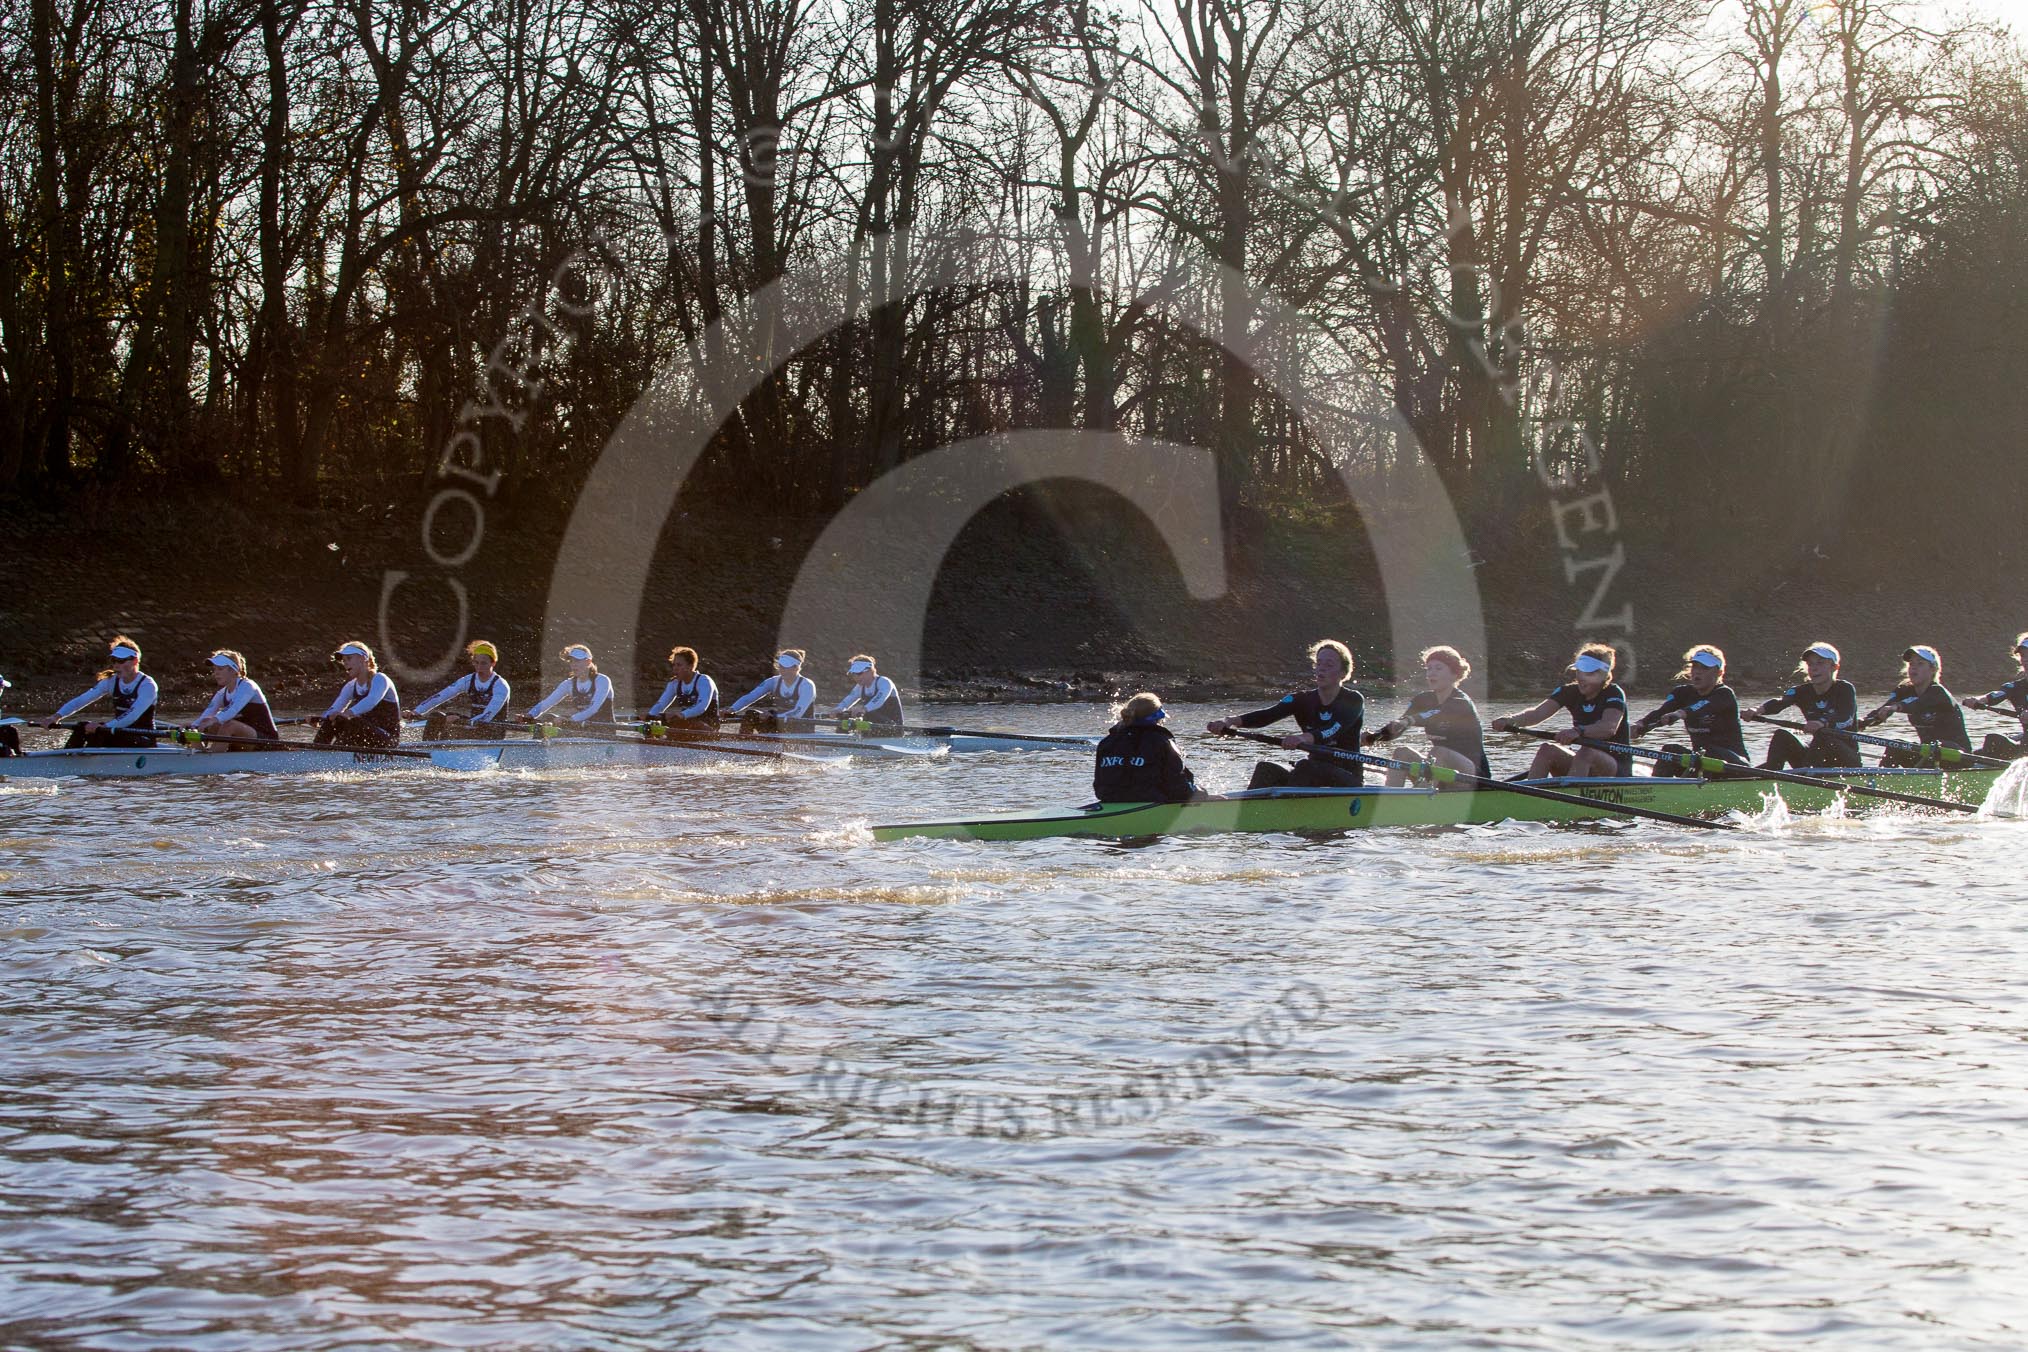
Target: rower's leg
pixel 10 742
pixel 1900 758
pixel 327 733
pixel 1665 769
pixel 1588 762
pixel 1785 750
pixel 2001 748
pixel 1268 775
pixel 1551 762
pixel 1314 774
pixel 437 727
pixel 77 739
pixel 1451 760
pixel 236 730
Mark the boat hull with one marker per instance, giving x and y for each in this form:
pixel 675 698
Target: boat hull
pixel 117 763
pixel 1315 810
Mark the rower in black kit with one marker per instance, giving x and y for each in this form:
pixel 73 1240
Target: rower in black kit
pixel 1829 705
pixel 1331 717
pixel 2011 698
pixel 1927 704
pixel 1708 708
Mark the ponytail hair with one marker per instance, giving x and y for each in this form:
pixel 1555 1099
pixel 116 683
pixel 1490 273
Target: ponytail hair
pixel 119 641
pixel 1690 660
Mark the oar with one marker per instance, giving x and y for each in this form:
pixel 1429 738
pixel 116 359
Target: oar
pixel 1716 768
pixel 1945 755
pixel 191 737
pixel 1082 743
pixel 658 735
pixel 1445 775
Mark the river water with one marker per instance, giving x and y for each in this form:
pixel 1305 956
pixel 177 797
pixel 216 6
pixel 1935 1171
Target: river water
pixel 668 1058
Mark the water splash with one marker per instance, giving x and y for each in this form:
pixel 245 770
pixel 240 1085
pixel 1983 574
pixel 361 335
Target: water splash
pixel 2009 795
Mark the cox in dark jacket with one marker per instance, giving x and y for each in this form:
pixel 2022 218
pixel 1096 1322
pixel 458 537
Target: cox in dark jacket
pixel 1137 760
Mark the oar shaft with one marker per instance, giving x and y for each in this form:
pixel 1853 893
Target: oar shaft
pixel 1719 768
pixel 1945 754
pixel 1499 785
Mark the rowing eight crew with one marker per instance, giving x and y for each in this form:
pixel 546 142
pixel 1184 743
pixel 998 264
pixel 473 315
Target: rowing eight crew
pixel 366 713
pixel 1137 760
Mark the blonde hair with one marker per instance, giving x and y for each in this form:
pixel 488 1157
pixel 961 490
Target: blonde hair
pixel 686 653
pixel 1936 674
pixel 119 640
pixel 1332 645
pixel 1690 659
pixel 1803 662
pixel 372 663
pixel 237 660
pixel 1604 652
pixel 2023 639
pixel 1138 707
pixel 1449 656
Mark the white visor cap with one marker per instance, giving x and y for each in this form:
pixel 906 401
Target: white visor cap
pixel 858 668
pixel 1925 652
pixel 122 652
pixel 786 662
pixel 577 652
pixel 352 650
pixel 1704 659
pixel 1591 665
pixel 1823 650
pixel 221 660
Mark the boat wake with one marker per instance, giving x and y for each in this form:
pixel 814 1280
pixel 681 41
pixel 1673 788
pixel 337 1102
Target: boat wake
pixel 2009 795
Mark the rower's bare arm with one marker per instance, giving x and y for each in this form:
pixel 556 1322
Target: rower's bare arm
pixel 1527 719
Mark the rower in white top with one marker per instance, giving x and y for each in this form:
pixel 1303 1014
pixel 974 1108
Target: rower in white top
pixel 486 692
pixel 689 702
pixel 238 711
pixel 588 695
pixel 10 740
pixel 878 700
pixel 782 697
pixel 133 696
pixel 367 713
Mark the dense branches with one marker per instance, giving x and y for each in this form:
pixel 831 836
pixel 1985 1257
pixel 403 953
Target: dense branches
pixel 287 243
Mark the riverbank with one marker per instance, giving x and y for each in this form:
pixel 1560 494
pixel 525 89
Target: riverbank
pixel 1045 597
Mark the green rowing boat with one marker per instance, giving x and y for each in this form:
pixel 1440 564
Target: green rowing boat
pixel 1357 809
